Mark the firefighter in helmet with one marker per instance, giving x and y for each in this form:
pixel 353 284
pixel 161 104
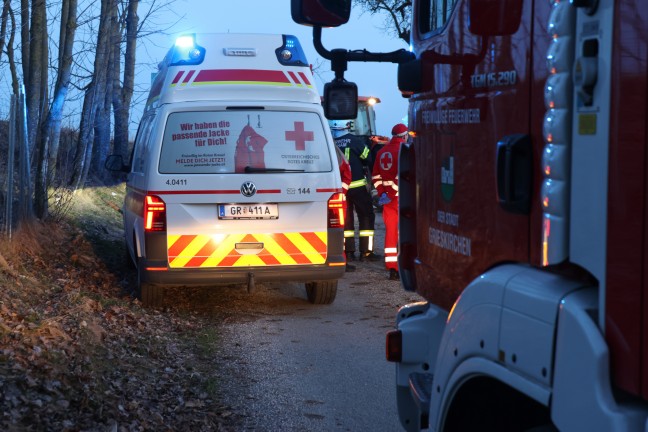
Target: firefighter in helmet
pixel 357 152
pixel 345 176
pixel 385 180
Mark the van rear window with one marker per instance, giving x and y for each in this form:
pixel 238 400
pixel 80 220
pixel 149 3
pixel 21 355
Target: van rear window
pixel 206 142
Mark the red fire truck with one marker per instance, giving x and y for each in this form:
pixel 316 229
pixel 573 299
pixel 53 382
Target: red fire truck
pixel 523 214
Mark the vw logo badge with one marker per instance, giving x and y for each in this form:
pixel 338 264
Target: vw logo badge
pixel 248 189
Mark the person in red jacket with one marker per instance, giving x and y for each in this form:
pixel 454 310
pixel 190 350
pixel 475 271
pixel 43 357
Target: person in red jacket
pixel 385 180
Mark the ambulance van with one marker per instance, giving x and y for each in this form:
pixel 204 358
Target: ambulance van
pixel 233 177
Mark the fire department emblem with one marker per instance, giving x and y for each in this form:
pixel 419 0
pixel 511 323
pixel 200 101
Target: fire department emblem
pixel 248 189
pixel 447 178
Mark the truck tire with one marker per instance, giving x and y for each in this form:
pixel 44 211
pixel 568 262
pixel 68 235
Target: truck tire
pixel 321 292
pixel 150 294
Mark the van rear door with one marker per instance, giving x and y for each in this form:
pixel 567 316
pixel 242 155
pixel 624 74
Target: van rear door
pixel 246 186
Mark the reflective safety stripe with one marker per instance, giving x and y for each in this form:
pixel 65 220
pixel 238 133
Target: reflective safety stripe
pixel 206 77
pixel 220 250
pixel 357 183
pixel 393 185
pixel 365 153
pixel 376 180
pixel 347 153
pixel 390 183
pixel 391 259
pixel 391 250
pixel 366 233
pixel 349 234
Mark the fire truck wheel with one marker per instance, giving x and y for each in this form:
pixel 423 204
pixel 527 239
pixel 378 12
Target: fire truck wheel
pixel 321 292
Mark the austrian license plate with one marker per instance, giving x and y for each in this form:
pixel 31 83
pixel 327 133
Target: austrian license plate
pixel 248 211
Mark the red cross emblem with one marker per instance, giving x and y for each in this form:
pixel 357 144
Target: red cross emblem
pixel 386 161
pixel 300 136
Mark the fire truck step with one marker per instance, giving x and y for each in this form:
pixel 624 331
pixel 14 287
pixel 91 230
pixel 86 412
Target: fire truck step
pixel 421 388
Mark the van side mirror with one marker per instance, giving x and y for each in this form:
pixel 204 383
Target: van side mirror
pixel 340 100
pixel 324 13
pixel 495 17
pixel 115 162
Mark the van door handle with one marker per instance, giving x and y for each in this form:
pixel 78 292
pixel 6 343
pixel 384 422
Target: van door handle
pixel 514 173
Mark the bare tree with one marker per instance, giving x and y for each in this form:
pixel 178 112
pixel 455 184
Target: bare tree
pixel 4 18
pixel 130 29
pixel 123 93
pixel 8 19
pixel 397 14
pixel 103 122
pixel 48 143
pixel 94 96
pixel 11 55
pixel 24 37
pixel 35 71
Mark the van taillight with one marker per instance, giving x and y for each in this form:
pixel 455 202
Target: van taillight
pixel 336 209
pixel 154 214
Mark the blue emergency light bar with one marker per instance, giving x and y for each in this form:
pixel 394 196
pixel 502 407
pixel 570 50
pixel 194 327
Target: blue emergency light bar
pixel 291 53
pixel 187 52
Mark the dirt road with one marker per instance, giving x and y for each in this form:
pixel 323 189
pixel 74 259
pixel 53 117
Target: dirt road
pixel 288 365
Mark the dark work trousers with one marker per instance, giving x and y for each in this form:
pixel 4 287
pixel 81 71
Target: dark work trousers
pixel 359 200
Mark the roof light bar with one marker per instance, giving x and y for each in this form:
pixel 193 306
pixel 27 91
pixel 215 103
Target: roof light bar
pixel 186 51
pixel 291 53
pixel 186 41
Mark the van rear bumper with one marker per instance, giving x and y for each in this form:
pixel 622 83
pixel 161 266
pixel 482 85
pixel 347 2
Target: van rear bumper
pixel 230 275
pixel 156 270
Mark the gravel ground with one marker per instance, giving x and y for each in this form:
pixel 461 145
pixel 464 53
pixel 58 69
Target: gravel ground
pixel 288 365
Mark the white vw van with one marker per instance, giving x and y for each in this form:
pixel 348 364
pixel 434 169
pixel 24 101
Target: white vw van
pixel 233 177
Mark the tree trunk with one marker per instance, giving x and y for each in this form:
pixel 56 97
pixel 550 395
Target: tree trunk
pixel 51 129
pixel 35 63
pixel 124 94
pixel 11 56
pixel 65 61
pixel 103 123
pixel 37 69
pixel 94 97
pixel 3 23
pixel 24 38
pixel 102 130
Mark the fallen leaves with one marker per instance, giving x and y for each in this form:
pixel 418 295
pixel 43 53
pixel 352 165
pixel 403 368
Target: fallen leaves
pixel 78 353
